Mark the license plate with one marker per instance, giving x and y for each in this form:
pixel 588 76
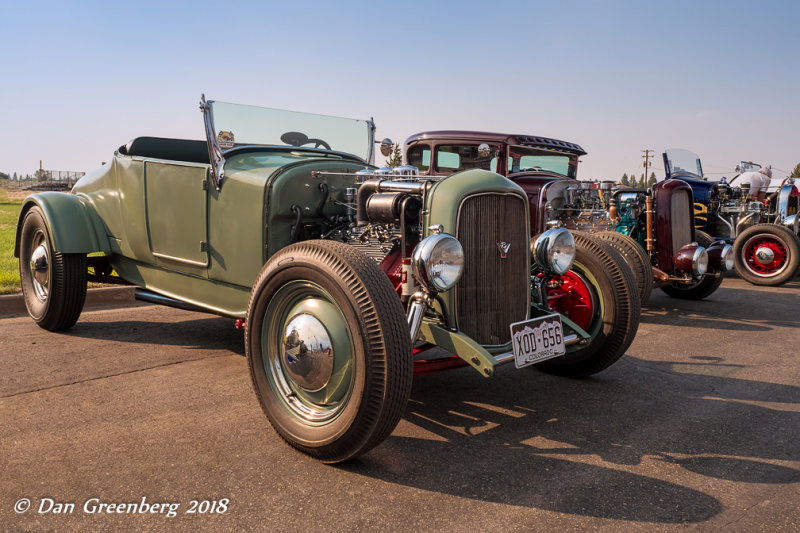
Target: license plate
pixel 537 339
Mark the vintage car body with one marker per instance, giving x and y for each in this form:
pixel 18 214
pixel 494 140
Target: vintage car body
pixel 339 273
pixel 765 234
pixel 600 289
pixel 680 266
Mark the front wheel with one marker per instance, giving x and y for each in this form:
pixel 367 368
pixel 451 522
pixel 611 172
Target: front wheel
pixel 329 349
pixel 600 296
pixel 53 284
pixel 699 289
pixel 767 254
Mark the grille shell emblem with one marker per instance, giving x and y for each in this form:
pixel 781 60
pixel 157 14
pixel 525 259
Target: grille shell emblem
pixel 503 248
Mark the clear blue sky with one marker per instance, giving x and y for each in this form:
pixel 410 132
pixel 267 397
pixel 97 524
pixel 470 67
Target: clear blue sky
pixel 722 78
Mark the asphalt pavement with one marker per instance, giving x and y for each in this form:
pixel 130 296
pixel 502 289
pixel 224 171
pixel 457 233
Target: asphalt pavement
pixel 697 428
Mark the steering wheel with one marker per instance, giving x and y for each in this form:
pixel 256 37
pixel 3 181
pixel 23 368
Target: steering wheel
pixel 295 138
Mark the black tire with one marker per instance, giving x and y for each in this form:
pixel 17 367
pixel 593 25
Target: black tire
pixel 700 289
pixel 611 284
pixel 365 390
pixel 637 259
pixel 55 291
pixel 771 235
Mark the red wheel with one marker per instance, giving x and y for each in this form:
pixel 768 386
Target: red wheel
pixel 599 295
pixel 767 254
pixel 570 295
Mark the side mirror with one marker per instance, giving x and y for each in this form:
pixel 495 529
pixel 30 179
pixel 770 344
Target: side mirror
pixel 387 147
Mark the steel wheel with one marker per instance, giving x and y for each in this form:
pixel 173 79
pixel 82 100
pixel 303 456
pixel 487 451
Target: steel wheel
pixel 53 284
pixel 329 349
pixel 574 296
pixel 767 254
pixel 599 294
pixel 308 352
pixel 40 265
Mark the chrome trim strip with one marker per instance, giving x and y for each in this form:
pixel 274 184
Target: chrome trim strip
pixel 180 260
pixel 145 159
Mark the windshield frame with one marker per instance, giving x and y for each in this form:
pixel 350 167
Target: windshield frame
pixel 669 167
pixel 217 153
pixel 572 160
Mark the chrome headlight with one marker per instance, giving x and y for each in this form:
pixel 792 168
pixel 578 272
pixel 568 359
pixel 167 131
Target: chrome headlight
pixel 554 250
pixel 437 262
pixel 700 261
pixel 727 257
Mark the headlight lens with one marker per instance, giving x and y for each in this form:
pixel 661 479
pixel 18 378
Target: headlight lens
pixel 700 261
pixel 727 257
pixel 437 262
pixel 554 250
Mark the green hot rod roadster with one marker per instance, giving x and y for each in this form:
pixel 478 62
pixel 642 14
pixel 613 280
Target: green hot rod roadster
pixel 342 274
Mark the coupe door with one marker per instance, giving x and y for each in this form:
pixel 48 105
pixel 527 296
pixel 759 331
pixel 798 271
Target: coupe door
pixel 177 208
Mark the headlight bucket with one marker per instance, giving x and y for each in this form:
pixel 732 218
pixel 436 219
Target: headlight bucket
pixel 691 258
pixel 438 262
pixel 554 250
pixel 720 256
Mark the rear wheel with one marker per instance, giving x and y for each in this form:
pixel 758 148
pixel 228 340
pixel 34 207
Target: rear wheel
pixel 701 288
pixel 329 350
pixel 767 254
pixel 636 258
pixel 599 294
pixel 53 284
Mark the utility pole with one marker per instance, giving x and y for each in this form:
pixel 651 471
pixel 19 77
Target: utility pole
pixel 646 155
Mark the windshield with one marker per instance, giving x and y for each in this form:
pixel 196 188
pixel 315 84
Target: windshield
pixel 526 159
pixel 682 161
pixel 238 125
pixel 748 166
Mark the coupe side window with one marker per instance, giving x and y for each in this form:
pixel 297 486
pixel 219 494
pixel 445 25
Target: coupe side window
pixel 451 158
pixel 420 157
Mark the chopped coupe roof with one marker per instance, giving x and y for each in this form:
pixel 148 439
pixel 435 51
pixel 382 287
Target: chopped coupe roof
pixel 508 138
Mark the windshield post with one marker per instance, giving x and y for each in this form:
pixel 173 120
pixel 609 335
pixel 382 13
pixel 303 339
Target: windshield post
pixel 371 128
pixel 214 151
pixel 667 169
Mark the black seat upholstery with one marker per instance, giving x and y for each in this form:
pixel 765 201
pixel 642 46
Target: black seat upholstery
pixel 164 148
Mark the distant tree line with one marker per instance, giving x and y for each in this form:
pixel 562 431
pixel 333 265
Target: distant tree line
pixel 15 177
pixel 638 183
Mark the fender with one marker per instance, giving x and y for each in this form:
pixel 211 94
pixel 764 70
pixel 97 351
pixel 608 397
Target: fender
pixel 73 225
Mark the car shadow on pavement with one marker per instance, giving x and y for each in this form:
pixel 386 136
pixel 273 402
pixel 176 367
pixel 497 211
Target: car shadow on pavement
pixel 212 333
pixel 627 444
pixel 717 312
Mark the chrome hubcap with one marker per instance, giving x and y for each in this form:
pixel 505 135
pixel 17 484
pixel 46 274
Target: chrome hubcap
pixel 307 352
pixel 40 271
pixel 765 255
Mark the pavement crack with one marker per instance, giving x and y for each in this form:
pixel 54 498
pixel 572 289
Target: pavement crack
pixel 97 378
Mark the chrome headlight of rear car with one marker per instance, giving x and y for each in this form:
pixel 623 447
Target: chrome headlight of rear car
pixel 438 262
pixel 726 257
pixel 554 250
pixel 700 261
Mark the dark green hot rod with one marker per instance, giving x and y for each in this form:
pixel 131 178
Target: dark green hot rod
pixel 342 274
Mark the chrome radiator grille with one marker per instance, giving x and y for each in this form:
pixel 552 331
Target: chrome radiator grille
pixel 493 291
pixel 681 232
